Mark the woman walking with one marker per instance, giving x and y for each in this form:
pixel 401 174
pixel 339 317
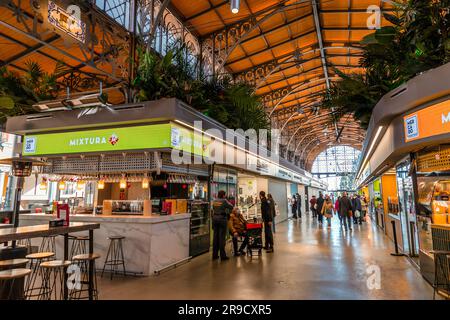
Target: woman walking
pixel 327 210
pixel 336 209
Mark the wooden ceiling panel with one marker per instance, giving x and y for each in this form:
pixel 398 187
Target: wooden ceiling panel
pixel 191 8
pixel 334 20
pixel 250 47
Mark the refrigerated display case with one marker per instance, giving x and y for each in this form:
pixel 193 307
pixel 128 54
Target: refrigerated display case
pixel 199 228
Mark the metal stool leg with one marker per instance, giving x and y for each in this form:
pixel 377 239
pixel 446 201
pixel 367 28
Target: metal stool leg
pixel 106 259
pixel 30 285
pixel 123 258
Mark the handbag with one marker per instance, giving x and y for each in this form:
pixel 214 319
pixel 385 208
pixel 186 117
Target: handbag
pixel 357 213
pixel 350 213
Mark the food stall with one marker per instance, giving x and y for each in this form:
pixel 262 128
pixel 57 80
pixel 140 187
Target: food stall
pixel 124 177
pixel 411 134
pixel 144 171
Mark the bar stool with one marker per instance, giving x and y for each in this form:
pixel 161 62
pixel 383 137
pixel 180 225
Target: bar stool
pixel 78 245
pixel 48 244
pixel 114 257
pixel 7 281
pixel 35 260
pixel 53 279
pixel 82 260
pixel 13 264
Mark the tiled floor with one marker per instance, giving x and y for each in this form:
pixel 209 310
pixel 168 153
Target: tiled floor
pixel 309 262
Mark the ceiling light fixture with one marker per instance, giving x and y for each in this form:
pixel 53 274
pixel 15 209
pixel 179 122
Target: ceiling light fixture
pixel 235 6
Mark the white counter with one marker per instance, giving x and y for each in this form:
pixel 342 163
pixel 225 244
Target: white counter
pixel 151 242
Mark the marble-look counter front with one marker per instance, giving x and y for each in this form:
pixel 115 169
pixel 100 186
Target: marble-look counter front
pixel 151 242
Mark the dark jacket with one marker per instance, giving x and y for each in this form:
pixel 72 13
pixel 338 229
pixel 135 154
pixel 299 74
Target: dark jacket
pixel 345 205
pixel 221 209
pixel 294 206
pixel 265 210
pixel 357 204
pixel 320 202
pixel 272 208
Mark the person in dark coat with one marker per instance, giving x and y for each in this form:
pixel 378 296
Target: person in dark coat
pixel 320 202
pixel 267 219
pixel 273 209
pixel 299 205
pixel 357 207
pixel 346 210
pixel 221 210
pixel 294 206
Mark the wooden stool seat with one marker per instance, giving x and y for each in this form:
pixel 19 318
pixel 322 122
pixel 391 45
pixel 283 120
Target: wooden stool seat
pixel 82 238
pixel 12 263
pixel 55 264
pixel 40 255
pixel 116 237
pixel 88 256
pixel 14 274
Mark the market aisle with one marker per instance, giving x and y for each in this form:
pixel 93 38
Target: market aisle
pixel 308 263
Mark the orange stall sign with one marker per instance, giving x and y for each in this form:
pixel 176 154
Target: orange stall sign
pixel 428 122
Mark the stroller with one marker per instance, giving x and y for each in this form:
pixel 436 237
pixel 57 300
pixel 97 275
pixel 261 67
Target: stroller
pixel 254 233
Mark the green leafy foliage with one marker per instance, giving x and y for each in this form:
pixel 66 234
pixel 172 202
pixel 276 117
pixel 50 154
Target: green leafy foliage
pixel 18 92
pixel 172 76
pixel 417 41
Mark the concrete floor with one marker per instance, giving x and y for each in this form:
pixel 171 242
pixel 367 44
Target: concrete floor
pixel 309 263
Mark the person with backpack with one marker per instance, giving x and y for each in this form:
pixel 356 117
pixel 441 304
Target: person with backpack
pixel 221 209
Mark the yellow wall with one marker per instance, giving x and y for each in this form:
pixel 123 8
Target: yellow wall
pixel 388 189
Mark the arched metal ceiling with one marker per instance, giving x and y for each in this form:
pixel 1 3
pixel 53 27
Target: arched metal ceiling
pixel 289 49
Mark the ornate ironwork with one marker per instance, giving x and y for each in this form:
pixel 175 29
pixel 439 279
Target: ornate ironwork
pixel 217 46
pixel 105 48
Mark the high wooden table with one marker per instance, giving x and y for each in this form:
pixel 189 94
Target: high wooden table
pixel 14 234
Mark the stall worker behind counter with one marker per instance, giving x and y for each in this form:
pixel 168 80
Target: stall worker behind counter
pixel 221 210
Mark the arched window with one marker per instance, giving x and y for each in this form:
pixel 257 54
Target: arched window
pixel 337 166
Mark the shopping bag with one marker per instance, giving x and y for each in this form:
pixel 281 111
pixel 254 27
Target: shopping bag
pixel 357 213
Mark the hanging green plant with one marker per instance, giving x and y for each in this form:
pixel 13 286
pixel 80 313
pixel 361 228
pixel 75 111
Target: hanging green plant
pixel 418 40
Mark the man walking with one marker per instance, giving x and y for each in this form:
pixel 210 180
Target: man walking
pixel 320 202
pixel 299 205
pixel 221 210
pixel 267 219
pixel 357 206
pixel 345 209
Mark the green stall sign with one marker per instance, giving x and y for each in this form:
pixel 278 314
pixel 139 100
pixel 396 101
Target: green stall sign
pixel 155 136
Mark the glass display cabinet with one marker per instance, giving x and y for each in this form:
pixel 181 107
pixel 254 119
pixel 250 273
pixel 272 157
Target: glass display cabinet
pixel 200 227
